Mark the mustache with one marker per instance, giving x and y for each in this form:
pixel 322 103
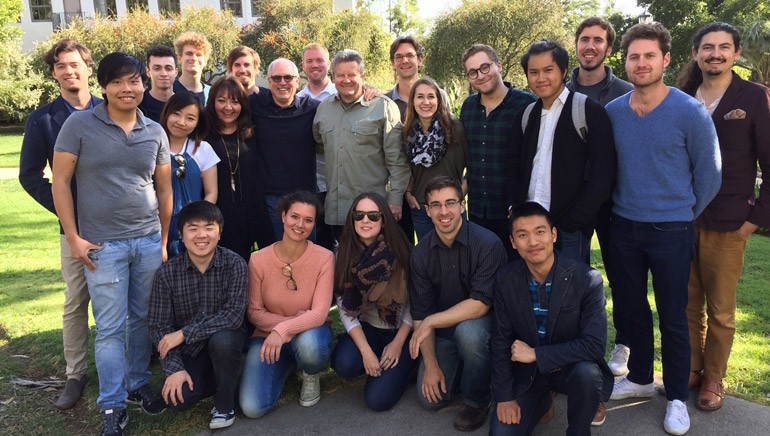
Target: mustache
pixel 715 58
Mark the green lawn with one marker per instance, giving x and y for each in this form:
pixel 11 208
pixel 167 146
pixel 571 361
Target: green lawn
pixel 10 145
pixel 30 333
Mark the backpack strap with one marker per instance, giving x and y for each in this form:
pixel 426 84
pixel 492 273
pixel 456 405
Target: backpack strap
pixel 525 117
pixel 579 115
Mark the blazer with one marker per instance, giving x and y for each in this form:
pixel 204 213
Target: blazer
pixel 576 329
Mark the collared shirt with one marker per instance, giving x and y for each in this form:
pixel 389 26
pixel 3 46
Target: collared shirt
pixel 540 181
pixel 400 102
pixel 327 92
pixel 200 304
pixel 491 152
pixel 320 159
pixel 540 296
pixel 709 107
pixel 441 276
pixel 362 144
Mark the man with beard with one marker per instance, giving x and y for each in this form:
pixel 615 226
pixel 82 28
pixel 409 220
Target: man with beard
pixel 161 69
pixel 243 64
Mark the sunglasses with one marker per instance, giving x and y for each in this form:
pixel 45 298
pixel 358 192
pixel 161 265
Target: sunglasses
pixel 286 78
pixel 291 283
pixel 181 161
pixel 373 216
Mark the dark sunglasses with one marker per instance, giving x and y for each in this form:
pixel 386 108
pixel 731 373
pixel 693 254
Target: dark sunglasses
pixel 286 78
pixel 181 161
pixel 373 216
pixel 291 283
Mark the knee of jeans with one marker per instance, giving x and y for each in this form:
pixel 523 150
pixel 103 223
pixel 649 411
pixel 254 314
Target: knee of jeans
pixel 472 337
pixel 252 407
pixel 378 402
pixel 225 343
pixel 586 375
pixel 428 405
pixel 311 352
pixel 343 364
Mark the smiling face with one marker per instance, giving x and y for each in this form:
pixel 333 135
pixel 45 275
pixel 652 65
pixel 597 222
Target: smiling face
pixel 425 102
pixel 446 219
pixel 545 78
pixel 645 63
pixel 193 60
pixel 716 53
pixel 283 91
pixel 485 83
pixel 228 109
pixel 405 62
pixel 315 64
pixel 592 48
pixel 366 229
pixel 533 238
pixel 245 71
pixel 181 123
pixel 124 93
pixel 200 238
pixel 71 71
pixel 349 81
pixel 298 221
pixel 162 72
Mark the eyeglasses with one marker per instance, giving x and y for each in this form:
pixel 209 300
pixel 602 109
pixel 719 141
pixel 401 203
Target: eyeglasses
pixel 286 78
pixel 408 56
pixel 373 216
pixel 473 73
pixel 291 283
pixel 435 205
pixel 181 161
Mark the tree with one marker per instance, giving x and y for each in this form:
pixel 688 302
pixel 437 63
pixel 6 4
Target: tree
pixel 362 32
pixel 404 19
pixel 10 12
pixel 756 50
pixel 18 92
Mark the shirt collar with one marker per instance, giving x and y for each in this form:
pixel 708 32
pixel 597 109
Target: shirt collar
pixel 394 95
pixel 216 261
pixel 462 235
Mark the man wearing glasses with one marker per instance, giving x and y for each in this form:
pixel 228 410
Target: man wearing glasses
pixel 452 274
pixel 488 118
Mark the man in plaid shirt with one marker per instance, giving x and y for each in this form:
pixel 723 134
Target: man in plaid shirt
pixel 196 316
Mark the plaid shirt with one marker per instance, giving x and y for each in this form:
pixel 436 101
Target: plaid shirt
pixel 491 164
pixel 200 304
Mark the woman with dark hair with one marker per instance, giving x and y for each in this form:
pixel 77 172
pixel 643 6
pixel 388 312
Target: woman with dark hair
pixel 193 161
pixel 434 142
pixel 290 291
pixel 240 198
pixel 370 284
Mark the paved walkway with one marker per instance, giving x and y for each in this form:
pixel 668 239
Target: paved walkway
pixel 13 173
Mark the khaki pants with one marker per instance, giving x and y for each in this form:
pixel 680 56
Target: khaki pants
pixel 75 320
pixel 714 275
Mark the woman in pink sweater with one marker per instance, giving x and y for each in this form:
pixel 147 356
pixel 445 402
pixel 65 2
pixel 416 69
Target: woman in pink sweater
pixel 290 291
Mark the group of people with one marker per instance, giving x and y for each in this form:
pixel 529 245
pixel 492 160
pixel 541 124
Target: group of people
pixel 204 223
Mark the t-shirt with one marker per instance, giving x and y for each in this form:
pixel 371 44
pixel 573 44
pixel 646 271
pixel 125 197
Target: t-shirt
pixel 151 107
pixel 205 156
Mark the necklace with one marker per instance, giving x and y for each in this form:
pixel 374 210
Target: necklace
pixel 237 158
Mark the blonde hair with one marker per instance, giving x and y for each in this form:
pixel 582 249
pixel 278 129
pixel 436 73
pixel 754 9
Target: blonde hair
pixel 315 46
pixel 194 39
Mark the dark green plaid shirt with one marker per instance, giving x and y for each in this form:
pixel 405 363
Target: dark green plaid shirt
pixel 491 169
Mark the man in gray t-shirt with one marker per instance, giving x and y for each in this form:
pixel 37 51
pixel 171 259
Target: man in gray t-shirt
pixel 121 161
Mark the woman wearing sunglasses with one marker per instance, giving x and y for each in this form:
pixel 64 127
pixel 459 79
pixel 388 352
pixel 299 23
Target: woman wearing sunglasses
pixel 193 161
pixel 370 284
pixel 434 142
pixel 290 291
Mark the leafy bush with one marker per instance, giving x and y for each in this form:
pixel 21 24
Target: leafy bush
pixel 18 92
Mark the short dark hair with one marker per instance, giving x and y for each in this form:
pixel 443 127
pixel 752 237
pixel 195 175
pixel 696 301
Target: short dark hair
pixel 161 51
pixel 305 197
pixel 478 48
pixel 179 101
pixel 119 64
pixel 405 40
pixel 200 210
pixel 560 55
pixel 440 182
pixel 52 56
pixel 239 52
pixel 526 209
pixel 597 21
pixel 650 31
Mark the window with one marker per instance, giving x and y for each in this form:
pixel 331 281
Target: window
pixel 133 4
pixel 106 8
pixel 40 10
pixel 233 6
pixel 168 6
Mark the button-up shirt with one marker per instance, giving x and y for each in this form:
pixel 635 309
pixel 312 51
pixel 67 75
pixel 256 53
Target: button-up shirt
pixel 540 181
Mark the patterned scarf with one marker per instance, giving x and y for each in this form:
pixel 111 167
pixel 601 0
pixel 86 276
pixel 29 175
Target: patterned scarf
pixel 426 148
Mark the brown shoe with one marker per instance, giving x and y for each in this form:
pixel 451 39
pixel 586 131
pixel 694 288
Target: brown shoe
pixel 711 396
pixel 601 415
pixel 470 418
pixel 72 392
pixel 695 380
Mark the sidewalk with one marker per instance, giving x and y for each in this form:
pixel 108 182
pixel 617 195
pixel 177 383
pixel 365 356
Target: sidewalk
pixel 13 173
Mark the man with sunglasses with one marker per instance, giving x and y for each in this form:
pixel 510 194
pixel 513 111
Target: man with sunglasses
pixel 452 273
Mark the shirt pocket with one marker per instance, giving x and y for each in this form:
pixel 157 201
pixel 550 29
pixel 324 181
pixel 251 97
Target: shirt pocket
pixel 367 138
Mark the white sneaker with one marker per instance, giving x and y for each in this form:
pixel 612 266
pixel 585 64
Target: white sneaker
pixel 625 388
pixel 311 390
pixel 619 360
pixel 677 421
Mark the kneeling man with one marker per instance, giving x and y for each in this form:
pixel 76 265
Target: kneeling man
pixel 196 316
pixel 549 332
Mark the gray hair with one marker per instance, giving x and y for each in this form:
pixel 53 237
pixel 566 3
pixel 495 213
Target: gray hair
pixel 348 55
pixel 294 68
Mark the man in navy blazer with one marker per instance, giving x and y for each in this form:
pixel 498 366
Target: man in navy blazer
pixel 549 332
pixel 71 65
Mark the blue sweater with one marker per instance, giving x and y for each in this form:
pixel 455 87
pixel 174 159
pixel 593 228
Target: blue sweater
pixel 669 164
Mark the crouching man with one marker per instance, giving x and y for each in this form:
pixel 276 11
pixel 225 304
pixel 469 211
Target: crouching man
pixel 196 316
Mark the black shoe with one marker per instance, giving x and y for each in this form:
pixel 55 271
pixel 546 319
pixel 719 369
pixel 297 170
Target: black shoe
pixel 470 418
pixel 73 389
pixel 114 421
pixel 220 419
pixel 150 401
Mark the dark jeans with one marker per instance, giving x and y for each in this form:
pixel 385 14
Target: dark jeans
pixel 324 235
pixel 502 230
pixel 665 249
pixel 383 392
pixel 603 235
pixel 581 382
pixel 574 245
pixel 405 222
pixel 214 371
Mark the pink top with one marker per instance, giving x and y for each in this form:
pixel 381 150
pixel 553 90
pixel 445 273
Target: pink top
pixel 274 307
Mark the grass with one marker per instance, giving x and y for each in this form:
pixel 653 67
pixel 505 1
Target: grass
pixel 10 145
pixel 31 297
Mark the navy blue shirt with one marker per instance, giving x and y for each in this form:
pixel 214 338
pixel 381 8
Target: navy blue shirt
pixel 151 107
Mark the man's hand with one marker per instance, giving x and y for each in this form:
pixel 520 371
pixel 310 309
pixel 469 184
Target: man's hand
pixel 396 211
pixel 172 388
pixel 509 412
pixel 411 200
pixel 521 352
pixel 169 342
pixel 370 92
pixel 271 348
pixel 746 230
pixel 79 249
pixel 433 383
pixel 422 332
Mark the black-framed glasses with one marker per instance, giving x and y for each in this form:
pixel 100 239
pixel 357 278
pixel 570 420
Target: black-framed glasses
pixel 286 78
pixel 449 204
pixel 483 69
pixel 291 283
pixel 401 57
pixel 181 161
pixel 373 216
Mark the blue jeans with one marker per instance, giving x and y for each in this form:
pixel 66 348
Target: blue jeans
pixel 272 202
pixel 120 295
pixel 574 245
pixel 422 223
pixel 383 392
pixel 262 383
pixel 665 249
pixel 464 360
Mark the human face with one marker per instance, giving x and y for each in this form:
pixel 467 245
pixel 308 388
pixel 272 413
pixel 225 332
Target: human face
pixel 124 93
pixel 182 122
pixel 645 63
pixel 592 48
pixel 245 71
pixel 298 221
pixel 545 78
pixel 193 60
pixel 282 91
pixel 716 54
pixel 349 81
pixel 405 61
pixel 71 71
pixel 200 238
pixel 447 220
pixel 485 83
pixel 533 239
pixel 425 102
pixel 162 72
pixel 366 229
pixel 228 109
pixel 315 64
